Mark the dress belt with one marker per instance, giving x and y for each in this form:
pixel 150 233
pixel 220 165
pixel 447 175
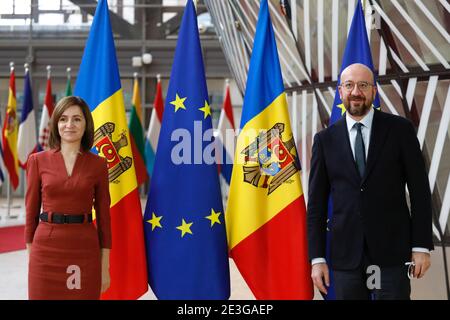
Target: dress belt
pixel 61 218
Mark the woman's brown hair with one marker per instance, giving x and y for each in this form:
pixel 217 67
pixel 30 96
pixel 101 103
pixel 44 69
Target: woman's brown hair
pixel 87 140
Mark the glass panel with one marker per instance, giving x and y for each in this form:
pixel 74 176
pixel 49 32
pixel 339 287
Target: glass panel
pixel 51 19
pixel 49 4
pixel 174 2
pixel 22 6
pixel 128 10
pixel 64 17
pixel 6 7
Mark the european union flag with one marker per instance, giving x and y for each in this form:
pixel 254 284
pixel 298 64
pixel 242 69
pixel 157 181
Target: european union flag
pixel 184 222
pixel 357 50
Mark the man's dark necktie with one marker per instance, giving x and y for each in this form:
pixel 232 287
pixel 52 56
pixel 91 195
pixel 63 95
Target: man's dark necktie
pixel 360 151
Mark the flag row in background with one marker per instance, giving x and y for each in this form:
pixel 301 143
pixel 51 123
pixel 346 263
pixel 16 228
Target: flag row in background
pixel 144 148
pixel 19 138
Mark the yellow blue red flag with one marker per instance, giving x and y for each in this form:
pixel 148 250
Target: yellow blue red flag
pixel 98 83
pixel 266 213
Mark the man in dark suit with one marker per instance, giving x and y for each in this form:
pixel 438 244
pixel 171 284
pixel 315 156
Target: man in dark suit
pixel 364 161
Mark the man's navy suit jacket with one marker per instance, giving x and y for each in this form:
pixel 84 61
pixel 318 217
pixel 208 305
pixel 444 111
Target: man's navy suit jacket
pixel 369 212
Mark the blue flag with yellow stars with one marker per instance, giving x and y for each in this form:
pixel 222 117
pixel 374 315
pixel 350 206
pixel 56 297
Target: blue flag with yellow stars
pixel 184 222
pixel 357 50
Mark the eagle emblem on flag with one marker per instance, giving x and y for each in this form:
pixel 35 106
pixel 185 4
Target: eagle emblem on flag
pixel 270 161
pixel 110 149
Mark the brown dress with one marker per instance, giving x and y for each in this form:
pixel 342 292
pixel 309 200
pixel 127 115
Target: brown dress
pixel 61 251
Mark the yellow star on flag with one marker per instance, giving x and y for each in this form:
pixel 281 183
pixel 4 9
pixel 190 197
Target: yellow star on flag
pixel 155 221
pixel 185 228
pixel 341 106
pixel 214 217
pixel 178 103
pixel 206 110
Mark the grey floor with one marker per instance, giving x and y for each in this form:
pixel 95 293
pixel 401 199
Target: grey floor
pixel 13 272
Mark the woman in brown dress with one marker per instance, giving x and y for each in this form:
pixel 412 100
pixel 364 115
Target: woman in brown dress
pixel 68 254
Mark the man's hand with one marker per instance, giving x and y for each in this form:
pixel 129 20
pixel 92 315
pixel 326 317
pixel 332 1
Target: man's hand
pixel 422 263
pixel 319 273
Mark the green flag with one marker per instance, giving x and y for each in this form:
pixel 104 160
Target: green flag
pixel 68 88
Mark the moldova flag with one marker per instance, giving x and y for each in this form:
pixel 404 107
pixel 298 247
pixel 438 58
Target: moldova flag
pixel 137 135
pixel 27 140
pixel 357 50
pixel 98 83
pixel 184 219
pixel 154 127
pixel 10 132
pixel 266 214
